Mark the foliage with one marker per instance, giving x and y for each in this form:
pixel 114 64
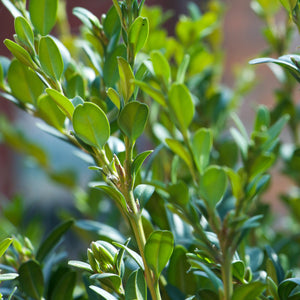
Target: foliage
pixel 191 205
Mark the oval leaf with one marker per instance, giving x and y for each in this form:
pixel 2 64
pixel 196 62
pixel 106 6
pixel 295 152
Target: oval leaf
pixel 138 34
pixel 25 33
pixel 91 124
pixel 161 67
pixel 4 245
pixel 24 83
pixel 50 58
pixel 213 185
pixel 158 250
pixel 43 14
pixel 182 106
pixel 132 119
pixel 248 291
pixel 126 78
pixel 31 279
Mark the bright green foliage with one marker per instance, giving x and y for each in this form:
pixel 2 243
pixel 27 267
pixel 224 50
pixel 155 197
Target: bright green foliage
pixel 91 124
pixel 151 116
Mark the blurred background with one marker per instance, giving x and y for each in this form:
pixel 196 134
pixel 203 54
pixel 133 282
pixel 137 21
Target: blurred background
pixel 242 41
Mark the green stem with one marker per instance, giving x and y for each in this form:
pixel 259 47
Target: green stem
pixel 227 275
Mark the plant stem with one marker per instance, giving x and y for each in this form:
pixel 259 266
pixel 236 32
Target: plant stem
pixel 227 274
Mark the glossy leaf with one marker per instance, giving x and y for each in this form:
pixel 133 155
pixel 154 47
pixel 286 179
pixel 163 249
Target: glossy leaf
pixel 181 105
pixel 50 112
pixel 112 24
pixel 138 34
pixel 109 279
pixel 25 33
pixel 236 183
pixel 50 58
pixel 143 193
pixel 80 265
pixel 24 83
pixel 183 68
pixel 276 263
pixel 114 97
pixel 20 53
pixel 91 125
pixel 8 276
pixel 287 286
pixel 52 239
pixel 126 78
pixel 86 17
pixel 106 295
pixel 75 87
pixel 4 245
pixel 248 291
pixel 63 102
pixel 31 279
pixel 132 119
pixel 43 14
pixel 238 270
pixel 201 147
pixel 158 250
pixel 136 287
pixel 213 185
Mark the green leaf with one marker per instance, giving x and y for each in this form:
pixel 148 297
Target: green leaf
pixel 287 286
pixel 177 273
pixel 155 94
pixel 12 8
pixel 261 164
pixel 50 58
pixel 179 193
pixel 138 161
pixel 213 185
pixel 112 24
pixel 4 245
pixel 109 279
pixel 106 295
pixel 91 124
pixel 136 287
pixel 20 53
pixel 248 291
pixel 87 18
pixel 161 67
pixel 138 34
pixel 262 120
pixel 52 239
pixel 201 147
pixel 50 112
pixel 63 102
pixel 31 279
pixel 110 66
pixel 43 14
pixel 238 270
pixel 236 183
pixel 64 288
pixel 183 68
pixel 181 104
pixel 276 263
pixel 158 250
pixel 112 192
pixel 24 33
pixel 114 97
pixel 24 83
pixel 289 5
pixel 8 276
pixel 126 78
pixel 80 265
pixel 143 193
pixel 132 119
pixel 181 151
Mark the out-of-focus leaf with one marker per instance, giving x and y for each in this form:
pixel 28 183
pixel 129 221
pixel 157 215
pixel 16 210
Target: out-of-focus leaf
pixel 4 245
pixel 286 287
pixel 136 287
pixel 138 34
pixel 31 279
pixel 43 14
pixel 106 295
pixel 161 67
pixel 154 93
pixel 249 291
pixel 126 78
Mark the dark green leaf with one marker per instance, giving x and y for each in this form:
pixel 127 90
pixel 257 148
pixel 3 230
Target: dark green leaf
pixel 64 288
pixel 31 279
pixel 91 124
pixel 50 58
pixel 138 161
pixel 24 83
pixel 112 24
pixel 249 291
pixel 136 287
pixel 43 14
pixel 106 295
pixel 138 34
pixel 158 250
pixel 287 286
pixel 275 261
pixel 52 239
pixel 179 193
pixel 238 270
pixel 132 119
